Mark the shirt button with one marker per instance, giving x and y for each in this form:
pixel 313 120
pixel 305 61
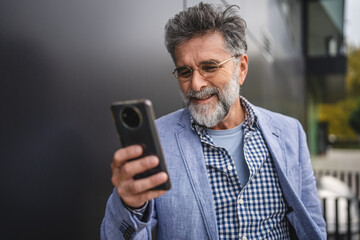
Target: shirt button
pixel 241 201
pixel 244 238
pixel 229 167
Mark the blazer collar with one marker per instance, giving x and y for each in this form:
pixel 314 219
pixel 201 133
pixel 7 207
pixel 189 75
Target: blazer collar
pixel 272 133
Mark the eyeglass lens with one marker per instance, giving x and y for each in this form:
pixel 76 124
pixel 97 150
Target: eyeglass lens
pixel 205 70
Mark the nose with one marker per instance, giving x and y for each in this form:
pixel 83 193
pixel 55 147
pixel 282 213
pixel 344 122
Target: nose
pixel 198 81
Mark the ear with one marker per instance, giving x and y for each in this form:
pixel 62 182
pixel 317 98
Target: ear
pixel 243 68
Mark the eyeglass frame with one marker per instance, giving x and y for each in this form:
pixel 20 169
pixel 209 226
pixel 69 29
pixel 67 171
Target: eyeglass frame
pixel 201 71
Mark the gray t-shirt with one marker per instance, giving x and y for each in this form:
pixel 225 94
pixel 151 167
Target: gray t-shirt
pixel 232 140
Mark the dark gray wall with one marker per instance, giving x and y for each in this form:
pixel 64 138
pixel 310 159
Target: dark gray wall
pixel 62 63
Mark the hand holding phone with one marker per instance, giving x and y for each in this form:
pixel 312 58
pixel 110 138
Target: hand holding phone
pixel 136 126
pixel 135 192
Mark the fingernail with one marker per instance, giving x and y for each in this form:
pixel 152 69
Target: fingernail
pixel 153 160
pixel 162 176
pixel 137 149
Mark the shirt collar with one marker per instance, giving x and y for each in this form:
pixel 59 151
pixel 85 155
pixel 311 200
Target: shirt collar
pixel 250 117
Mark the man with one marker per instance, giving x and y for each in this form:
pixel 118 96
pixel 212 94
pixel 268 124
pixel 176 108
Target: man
pixel 237 171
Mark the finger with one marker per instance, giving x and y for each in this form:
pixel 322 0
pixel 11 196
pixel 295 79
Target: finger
pixel 132 168
pixel 145 184
pixel 116 177
pixel 140 199
pixel 129 169
pixel 124 154
pixel 152 194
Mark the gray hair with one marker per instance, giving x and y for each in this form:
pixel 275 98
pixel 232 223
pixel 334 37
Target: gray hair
pixel 205 18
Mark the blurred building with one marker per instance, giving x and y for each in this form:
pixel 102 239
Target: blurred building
pixel 325 58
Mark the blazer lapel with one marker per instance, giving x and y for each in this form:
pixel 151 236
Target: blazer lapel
pixel 274 140
pixel 193 157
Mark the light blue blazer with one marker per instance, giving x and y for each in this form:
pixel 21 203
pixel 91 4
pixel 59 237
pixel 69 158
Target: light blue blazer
pixel 187 211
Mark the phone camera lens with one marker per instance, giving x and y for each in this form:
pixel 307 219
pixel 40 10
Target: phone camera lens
pixel 131 117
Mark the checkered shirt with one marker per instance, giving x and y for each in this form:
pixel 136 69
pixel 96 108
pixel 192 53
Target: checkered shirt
pixel 256 210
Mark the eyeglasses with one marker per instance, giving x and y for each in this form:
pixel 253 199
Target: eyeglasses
pixel 206 69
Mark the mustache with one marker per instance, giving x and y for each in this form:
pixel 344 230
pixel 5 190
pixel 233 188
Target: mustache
pixel 204 92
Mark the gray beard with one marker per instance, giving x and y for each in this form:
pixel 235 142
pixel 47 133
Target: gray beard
pixel 209 115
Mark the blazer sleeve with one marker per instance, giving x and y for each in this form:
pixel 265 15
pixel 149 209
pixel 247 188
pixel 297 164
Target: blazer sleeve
pixel 309 195
pixel 119 223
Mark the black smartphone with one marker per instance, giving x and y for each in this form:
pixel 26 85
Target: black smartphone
pixel 135 124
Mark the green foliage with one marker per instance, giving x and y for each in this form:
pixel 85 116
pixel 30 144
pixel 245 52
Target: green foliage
pixel 353 73
pixel 343 117
pixel 337 116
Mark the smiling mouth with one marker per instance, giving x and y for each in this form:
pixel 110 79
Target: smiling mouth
pixel 204 97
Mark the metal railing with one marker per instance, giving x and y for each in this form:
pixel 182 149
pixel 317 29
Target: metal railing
pixel 343 221
pixel 351 178
pixel 342 213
